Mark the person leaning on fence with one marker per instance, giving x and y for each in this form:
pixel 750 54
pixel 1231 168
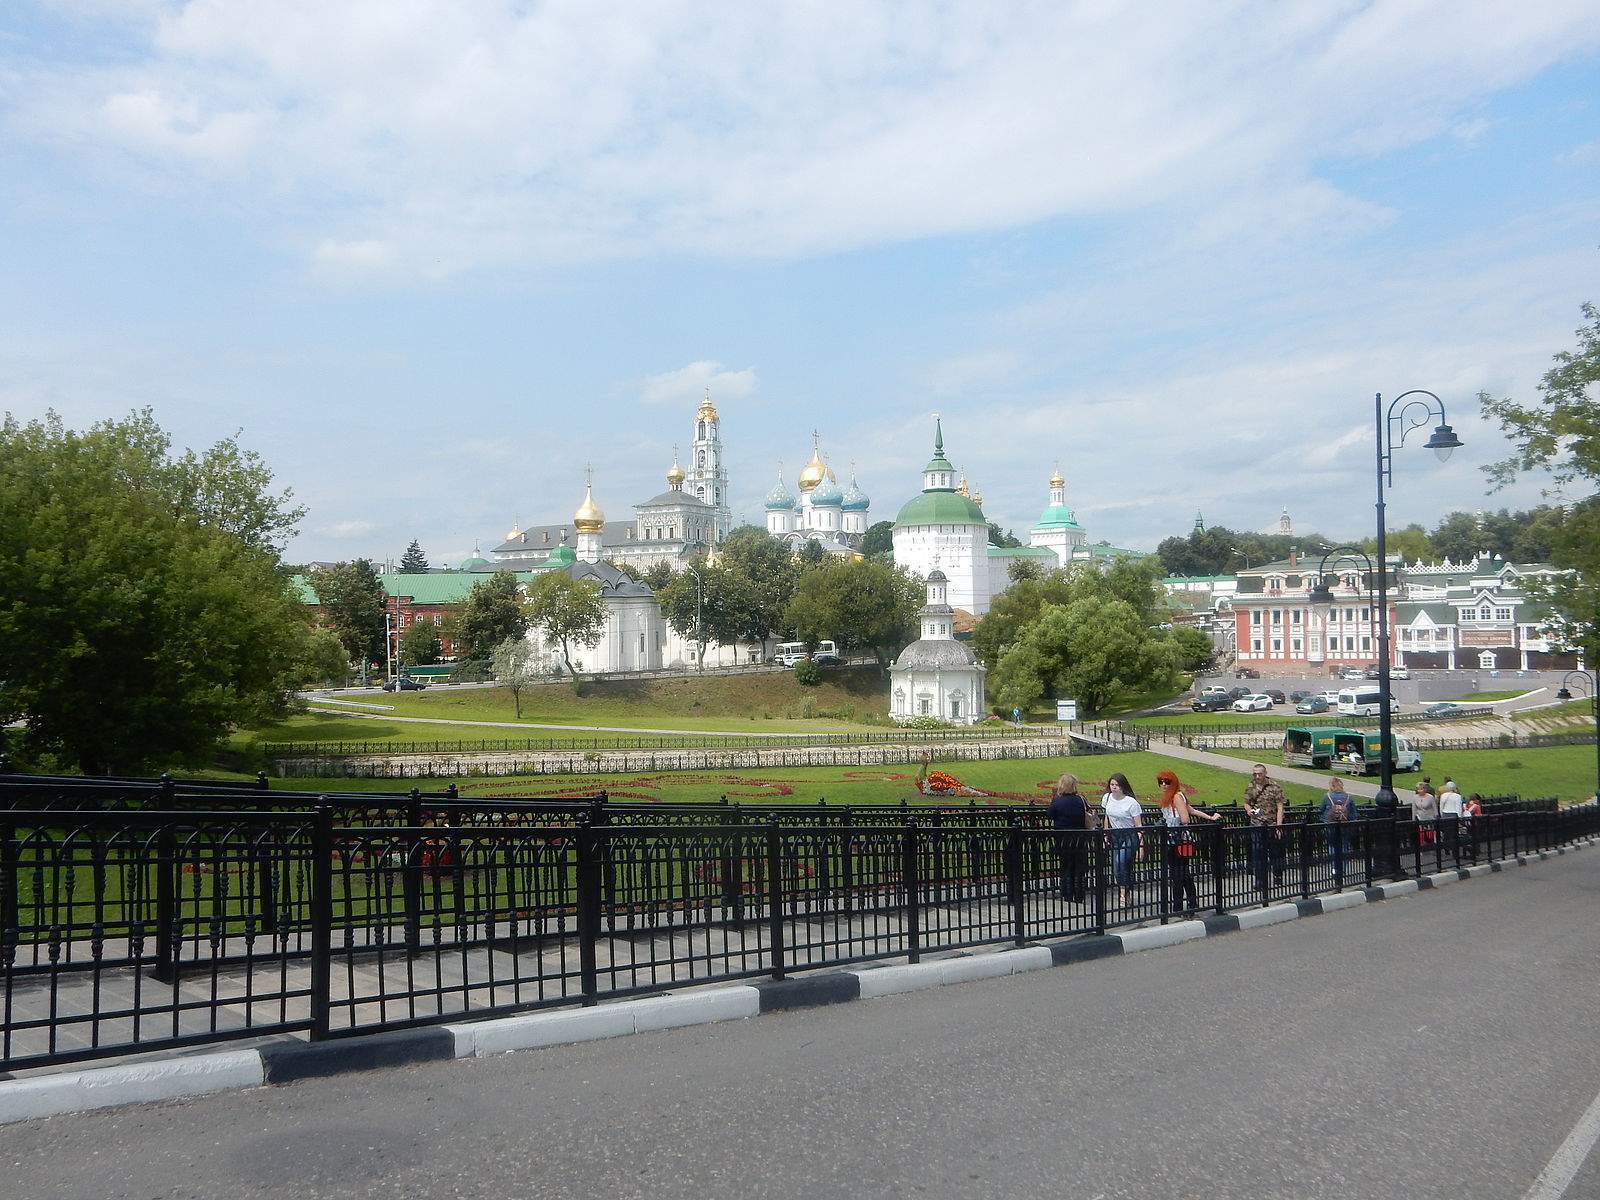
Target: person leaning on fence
pixel 1425 812
pixel 1339 815
pixel 1069 813
pixel 1176 813
pixel 1123 818
pixel 1471 811
pixel 1264 803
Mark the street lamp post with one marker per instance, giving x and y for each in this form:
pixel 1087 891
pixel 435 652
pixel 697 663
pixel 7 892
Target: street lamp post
pixel 1591 683
pixel 1406 412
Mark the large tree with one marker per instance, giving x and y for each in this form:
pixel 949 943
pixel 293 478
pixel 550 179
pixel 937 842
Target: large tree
pixel 862 606
pixel 353 601
pixel 1559 433
pixel 143 606
pixel 763 571
pixel 706 603
pixel 565 611
pixel 415 561
pixel 492 613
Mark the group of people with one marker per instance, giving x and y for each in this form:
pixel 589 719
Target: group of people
pixel 1124 818
pixel 1447 816
pixel 1264 806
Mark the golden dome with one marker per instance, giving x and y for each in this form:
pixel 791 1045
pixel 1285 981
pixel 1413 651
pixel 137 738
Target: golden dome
pixel 1056 480
pixel 977 498
pixel 676 474
pixel 708 411
pixel 961 488
pixel 515 532
pixel 588 518
pixel 814 472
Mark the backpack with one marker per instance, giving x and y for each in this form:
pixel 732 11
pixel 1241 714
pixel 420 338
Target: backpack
pixel 1339 810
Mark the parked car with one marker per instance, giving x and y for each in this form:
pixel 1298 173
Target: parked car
pixel 1443 709
pixel 1238 693
pixel 1255 702
pixel 1399 673
pixel 1331 696
pixel 1277 696
pixel 404 684
pixel 828 660
pixel 1299 696
pixel 1352 673
pixel 1247 673
pixel 1312 704
pixel 1211 702
pixel 1213 689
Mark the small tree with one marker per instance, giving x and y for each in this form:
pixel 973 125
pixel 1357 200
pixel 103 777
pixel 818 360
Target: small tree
pixel 354 600
pixel 419 644
pixel 516 666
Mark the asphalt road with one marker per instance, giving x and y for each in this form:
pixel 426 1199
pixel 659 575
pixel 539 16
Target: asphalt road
pixel 1437 1045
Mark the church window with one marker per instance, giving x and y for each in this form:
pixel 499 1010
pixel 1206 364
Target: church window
pixel 955 708
pixel 924 707
pixel 701 458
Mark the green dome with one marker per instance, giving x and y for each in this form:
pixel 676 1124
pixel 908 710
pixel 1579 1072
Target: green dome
pixel 1057 514
pixel 940 508
pixel 561 556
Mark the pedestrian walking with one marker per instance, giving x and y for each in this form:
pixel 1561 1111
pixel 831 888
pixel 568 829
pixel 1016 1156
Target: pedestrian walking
pixel 1070 814
pixel 1124 819
pixel 1177 812
pixel 1264 804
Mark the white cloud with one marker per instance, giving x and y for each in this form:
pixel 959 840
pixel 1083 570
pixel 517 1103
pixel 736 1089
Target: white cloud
pixel 690 383
pixel 347 530
pixel 491 132
pixel 355 258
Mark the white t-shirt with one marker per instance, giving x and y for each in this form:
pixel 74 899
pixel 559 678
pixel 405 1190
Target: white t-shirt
pixel 1120 810
pixel 1450 804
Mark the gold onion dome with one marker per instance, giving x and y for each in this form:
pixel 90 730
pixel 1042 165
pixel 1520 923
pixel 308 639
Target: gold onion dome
pixel 707 410
pixel 515 532
pixel 588 518
pixel 1056 480
pixel 961 488
pixel 676 475
pixel 814 472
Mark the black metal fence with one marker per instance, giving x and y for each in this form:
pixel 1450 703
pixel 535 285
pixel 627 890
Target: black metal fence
pixel 128 930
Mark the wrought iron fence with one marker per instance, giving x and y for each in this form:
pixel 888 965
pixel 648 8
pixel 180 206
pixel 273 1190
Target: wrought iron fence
pixel 139 930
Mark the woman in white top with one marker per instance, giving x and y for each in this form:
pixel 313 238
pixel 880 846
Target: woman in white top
pixel 1124 818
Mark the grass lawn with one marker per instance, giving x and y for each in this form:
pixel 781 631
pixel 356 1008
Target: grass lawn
pixel 1013 781
pixel 1564 771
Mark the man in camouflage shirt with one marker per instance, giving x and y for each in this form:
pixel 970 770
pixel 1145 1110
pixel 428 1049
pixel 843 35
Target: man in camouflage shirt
pixel 1264 802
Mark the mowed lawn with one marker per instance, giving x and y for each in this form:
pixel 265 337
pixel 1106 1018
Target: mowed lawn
pixel 1012 781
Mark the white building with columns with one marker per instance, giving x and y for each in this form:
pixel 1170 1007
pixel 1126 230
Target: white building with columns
pixel 937 676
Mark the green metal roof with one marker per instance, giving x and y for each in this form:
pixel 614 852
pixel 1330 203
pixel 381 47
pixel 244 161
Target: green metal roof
pixel 1057 515
pixel 940 508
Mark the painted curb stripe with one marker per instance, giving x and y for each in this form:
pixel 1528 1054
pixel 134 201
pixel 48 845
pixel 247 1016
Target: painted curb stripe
pixel 808 991
pixel 289 1061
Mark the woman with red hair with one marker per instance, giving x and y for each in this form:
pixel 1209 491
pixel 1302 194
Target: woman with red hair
pixel 1177 812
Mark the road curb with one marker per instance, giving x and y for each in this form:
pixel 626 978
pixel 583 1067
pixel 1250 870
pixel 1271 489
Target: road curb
pixel 286 1062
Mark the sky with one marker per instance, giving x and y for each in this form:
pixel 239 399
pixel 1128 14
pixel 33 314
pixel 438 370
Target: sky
pixel 432 258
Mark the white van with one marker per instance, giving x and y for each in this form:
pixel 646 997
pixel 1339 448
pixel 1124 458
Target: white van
pixel 1364 702
pixel 789 653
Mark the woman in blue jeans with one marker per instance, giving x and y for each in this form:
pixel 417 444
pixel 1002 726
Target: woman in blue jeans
pixel 1124 818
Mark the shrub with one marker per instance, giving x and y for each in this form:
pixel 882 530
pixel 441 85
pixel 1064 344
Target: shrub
pixel 925 723
pixel 807 673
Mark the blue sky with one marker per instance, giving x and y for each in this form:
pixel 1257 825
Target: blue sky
pixel 432 257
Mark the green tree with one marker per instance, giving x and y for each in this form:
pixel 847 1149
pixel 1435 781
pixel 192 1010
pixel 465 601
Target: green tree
pixel 420 645
pixel 707 603
pixel 564 611
pixel 326 660
pixel 1191 649
pixel 1559 433
pixel 353 600
pixel 516 668
pixel 492 613
pixel 143 606
pixel 878 541
pixel 415 561
pixel 762 571
pixel 1004 539
pixel 1458 537
pixel 865 607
